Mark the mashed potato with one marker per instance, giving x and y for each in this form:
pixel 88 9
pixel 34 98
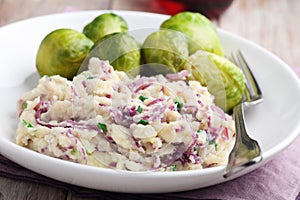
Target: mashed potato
pixel 103 118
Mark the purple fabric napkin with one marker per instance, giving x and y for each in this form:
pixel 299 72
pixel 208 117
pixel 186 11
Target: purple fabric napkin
pixel 278 179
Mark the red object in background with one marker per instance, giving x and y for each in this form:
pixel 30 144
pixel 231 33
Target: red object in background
pixel 212 9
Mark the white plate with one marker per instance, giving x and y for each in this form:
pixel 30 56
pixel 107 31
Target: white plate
pixel 274 123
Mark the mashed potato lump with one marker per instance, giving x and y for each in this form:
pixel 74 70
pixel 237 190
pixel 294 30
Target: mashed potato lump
pixel 104 118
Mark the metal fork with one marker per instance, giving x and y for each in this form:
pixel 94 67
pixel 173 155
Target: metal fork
pixel 246 151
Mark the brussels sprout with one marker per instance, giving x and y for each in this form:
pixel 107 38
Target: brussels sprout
pixel 199 30
pixel 61 52
pixel 166 47
pixel 120 49
pixel 103 25
pixel 223 78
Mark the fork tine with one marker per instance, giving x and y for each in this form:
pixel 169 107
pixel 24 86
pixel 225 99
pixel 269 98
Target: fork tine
pixel 251 84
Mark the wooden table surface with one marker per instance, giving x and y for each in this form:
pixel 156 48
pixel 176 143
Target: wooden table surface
pixel 273 24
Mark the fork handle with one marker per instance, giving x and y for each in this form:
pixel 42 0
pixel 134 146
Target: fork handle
pixel 245 151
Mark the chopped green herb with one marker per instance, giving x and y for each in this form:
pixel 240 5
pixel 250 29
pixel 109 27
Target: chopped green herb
pixel 140 109
pixel 90 77
pixel 178 104
pixel 73 152
pixel 87 151
pixel 24 105
pixel 25 123
pixel 201 132
pixel 144 122
pixel 173 168
pixel 213 142
pixel 142 98
pixel 102 127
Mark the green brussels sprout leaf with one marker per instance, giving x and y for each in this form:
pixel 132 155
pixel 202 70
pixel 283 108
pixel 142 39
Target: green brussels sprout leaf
pixel 166 47
pixel 61 52
pixel 223 79
pixel 200 30
pixel 120 49
pixel 103 25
